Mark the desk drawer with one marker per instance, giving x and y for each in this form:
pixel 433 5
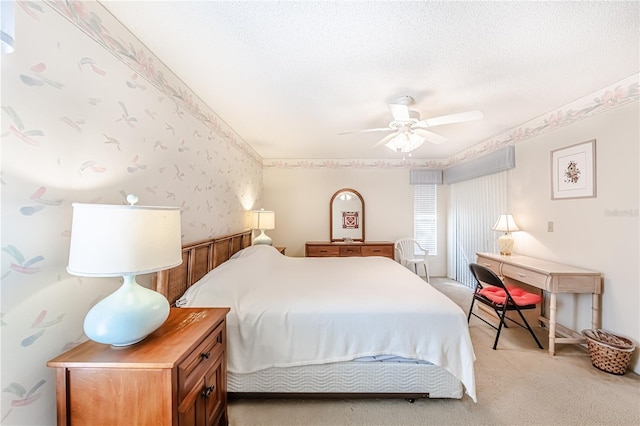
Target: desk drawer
pixel 535 279
pixel 494 265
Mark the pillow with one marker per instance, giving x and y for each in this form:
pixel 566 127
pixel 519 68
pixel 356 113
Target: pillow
pixel 248 251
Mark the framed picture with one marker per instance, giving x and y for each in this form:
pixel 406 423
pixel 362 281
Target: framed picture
pixel 573 171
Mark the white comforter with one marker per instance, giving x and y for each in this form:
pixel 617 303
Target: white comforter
pixel 288 311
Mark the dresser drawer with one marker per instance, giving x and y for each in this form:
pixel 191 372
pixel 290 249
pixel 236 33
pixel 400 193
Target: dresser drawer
pixel 494 265
pixel 196 364
pixel 214 387
pixel 204 402
pixel 526 276
pixel 322 251
pixel 350 251
pixel 381 250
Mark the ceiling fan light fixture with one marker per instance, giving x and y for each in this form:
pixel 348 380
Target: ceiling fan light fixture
pixel 397 143
pixel 405 142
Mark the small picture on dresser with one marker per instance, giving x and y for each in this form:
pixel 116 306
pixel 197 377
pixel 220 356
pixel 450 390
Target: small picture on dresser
pixel 350 220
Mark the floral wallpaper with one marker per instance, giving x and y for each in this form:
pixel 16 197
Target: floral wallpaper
pixel 88 115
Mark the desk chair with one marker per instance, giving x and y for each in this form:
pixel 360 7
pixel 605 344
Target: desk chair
pixel 405 251
pixel 492 291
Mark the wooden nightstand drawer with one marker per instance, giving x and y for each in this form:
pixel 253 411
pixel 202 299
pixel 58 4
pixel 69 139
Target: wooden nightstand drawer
pixel 192 369
pixel 381 250
pixel 350 251
pixel 203 403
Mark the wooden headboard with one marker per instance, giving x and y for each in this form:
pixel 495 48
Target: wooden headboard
pixel 197 259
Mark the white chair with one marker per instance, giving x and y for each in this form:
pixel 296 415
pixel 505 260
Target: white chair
pixel 405 253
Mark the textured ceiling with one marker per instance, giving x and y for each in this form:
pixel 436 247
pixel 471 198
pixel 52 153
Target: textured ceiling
pixel 289 76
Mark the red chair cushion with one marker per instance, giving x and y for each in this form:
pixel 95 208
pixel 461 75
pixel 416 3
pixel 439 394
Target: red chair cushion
pixel 519 296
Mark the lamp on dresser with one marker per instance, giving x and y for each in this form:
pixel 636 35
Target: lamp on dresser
pixel 262 220
pixel 506 224
pixel 124 240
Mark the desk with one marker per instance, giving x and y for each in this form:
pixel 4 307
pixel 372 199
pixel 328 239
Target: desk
pixel 553 278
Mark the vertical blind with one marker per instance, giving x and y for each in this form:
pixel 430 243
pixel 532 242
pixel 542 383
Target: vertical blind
pixel 474 206
pixel 425 223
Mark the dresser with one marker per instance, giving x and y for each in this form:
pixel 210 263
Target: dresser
pixel 552 278
pixel 340 249
pixel 176 376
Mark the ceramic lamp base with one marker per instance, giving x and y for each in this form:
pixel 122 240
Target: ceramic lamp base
pixel 262 239
pixel 505 243
pixel 126 316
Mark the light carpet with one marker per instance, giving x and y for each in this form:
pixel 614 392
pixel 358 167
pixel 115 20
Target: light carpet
pixel 517 384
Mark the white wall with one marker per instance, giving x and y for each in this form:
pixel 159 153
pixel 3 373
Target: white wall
pixel 300 197
pixel 601 233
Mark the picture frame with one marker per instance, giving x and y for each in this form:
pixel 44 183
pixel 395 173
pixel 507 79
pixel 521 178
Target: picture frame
pixel 573 171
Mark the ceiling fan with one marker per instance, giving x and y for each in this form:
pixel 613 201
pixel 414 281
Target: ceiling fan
pixel 409 132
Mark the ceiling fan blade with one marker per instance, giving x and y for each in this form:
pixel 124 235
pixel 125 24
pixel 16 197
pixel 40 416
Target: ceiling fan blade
pixel 399 112
pixel 382 129
pixel 430 137
pixel 385 140
pixel 451 118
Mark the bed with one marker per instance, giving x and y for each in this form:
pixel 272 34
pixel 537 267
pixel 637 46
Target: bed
pixel 361 326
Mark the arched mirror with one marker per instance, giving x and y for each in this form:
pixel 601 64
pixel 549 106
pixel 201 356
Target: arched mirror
pixel 346 213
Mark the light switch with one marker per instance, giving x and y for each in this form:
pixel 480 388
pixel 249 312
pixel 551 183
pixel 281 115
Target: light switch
pixel 549 226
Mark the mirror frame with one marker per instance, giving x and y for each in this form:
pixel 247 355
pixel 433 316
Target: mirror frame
pixel 353 191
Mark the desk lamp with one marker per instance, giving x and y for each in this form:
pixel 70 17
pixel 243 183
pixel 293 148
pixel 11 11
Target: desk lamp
pixel 506 224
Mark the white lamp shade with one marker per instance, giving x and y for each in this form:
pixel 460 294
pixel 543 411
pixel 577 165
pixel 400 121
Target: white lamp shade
pixel 262 219
pixel 112 240
pixel 505 223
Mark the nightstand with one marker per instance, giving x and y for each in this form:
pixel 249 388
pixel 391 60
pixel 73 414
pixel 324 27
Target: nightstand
pixel 176 376
pixel 280 249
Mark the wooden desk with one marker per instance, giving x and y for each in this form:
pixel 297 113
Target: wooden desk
pixel 553 278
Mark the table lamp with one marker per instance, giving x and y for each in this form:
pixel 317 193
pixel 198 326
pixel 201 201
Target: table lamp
pixel 506 224
pixel 262 220
pixel 124 240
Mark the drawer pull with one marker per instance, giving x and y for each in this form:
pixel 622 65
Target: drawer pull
pixel 521 275
pixel 206 392
pixel 323 251
pixel 377 251
pixel 488 265
pixel 205 355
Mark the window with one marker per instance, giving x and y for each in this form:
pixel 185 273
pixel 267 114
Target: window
pixel 425 220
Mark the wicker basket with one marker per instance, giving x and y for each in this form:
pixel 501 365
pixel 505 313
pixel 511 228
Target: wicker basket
pixel 609 352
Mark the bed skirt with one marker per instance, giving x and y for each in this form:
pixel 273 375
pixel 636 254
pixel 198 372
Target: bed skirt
pixel 362 378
